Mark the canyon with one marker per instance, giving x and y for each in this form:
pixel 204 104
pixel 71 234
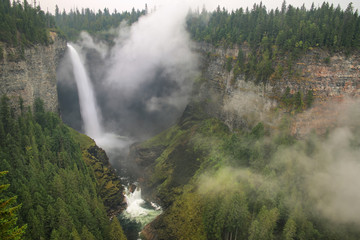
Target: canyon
pixel 169 161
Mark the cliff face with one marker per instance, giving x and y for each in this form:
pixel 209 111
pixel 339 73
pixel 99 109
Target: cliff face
pixel 174 158
pixel 333 79
pixel 32 73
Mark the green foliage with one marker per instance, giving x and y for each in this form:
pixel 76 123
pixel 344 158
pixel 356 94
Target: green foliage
pixel 23 24
pixel 116 232
pixel 289 231
pixel 273 34
pixel 8 215
pixel 58 192
pixel 183 220
pixel 228 65
pixel 263 226
pixel 96 23
pixel 309 98
pixel 247 184
pixel 1 52
pixel 327 60
pixel 297 102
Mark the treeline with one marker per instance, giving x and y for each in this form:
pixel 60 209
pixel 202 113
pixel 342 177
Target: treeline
pixel 55 188
pixel 276 38
pixel 23 24
pixel 75 21
pixel 285 29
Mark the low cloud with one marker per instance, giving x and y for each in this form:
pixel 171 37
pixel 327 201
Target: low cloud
pixel 319 173
pixel 144 81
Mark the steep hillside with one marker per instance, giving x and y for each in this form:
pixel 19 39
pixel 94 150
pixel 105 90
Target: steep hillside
pixel 329 79
pixel 61 189
pixel 109 185
pixel 239 162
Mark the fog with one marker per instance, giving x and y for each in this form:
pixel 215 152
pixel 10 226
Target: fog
pixel 142 83
pixel 318 173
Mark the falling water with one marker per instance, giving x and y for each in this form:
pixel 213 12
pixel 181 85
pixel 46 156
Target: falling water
pixel 88 106
pixel 137 208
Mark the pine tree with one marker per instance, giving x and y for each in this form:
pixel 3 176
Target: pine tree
pixel 8 216
pixel 116 232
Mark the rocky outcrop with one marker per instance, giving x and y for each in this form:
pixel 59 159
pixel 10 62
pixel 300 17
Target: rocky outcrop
pixel 333 79
pixel 109 185
pixel 31 72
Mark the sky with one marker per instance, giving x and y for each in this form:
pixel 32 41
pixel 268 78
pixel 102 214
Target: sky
pixel 122 5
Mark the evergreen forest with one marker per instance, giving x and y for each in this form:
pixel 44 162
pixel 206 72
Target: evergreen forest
pixel 57 195
pixel 21 24
pixel 212 182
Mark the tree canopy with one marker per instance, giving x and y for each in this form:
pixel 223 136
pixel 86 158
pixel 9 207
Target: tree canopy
pixel 286 29
pixel 59 193
pixel 24 24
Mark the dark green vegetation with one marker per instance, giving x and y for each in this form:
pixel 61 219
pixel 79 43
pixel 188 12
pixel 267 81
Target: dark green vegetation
pixel 59 193
pixel 246 184
pixel 108 184
pixel 99 23
pixel 276 36
pixel 287 29
pixel 23 24
pixel 296 102
pixel 8 213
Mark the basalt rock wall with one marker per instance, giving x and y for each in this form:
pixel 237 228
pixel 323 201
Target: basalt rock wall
pixel 31 72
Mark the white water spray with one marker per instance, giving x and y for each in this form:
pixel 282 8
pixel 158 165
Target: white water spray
pixel 88 106
pixel 136 209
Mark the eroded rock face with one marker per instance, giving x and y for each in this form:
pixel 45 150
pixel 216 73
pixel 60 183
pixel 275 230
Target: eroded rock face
pixel 235 101
pixel 32 74
pixel 334 79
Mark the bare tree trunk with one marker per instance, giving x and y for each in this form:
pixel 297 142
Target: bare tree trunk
pixel 236 232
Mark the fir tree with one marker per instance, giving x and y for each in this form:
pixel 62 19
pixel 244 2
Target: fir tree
pixel 8 215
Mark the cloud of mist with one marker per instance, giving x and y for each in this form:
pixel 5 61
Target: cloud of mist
pixel 143 82
pixel 232 180
pixel 86 41
pixel 331 175
pixel 319 173
pixel 157 41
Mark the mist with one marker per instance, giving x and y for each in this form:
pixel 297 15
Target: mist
pixel 142 83
pixel 317 174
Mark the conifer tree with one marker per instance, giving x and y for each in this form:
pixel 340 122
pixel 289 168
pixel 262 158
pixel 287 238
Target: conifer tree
pixel 116 232
pixel 8 216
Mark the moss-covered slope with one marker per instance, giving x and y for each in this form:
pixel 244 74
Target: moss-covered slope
pixel 108 183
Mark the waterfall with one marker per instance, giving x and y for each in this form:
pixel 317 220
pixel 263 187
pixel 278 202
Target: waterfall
pixel 87 100
pixel 138 209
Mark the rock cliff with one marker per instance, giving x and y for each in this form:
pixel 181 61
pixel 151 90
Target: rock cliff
pixel 334 80
pixel 31 72
pixel 172 159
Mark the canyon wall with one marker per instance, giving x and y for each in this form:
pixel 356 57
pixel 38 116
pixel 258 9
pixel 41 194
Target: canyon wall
pixel 333 79
pixel 31 72
pixel 172 161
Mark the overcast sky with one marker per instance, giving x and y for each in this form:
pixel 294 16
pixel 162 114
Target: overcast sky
pixel 122 5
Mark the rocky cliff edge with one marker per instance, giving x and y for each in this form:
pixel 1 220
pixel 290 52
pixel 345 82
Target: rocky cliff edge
pixel 30 72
